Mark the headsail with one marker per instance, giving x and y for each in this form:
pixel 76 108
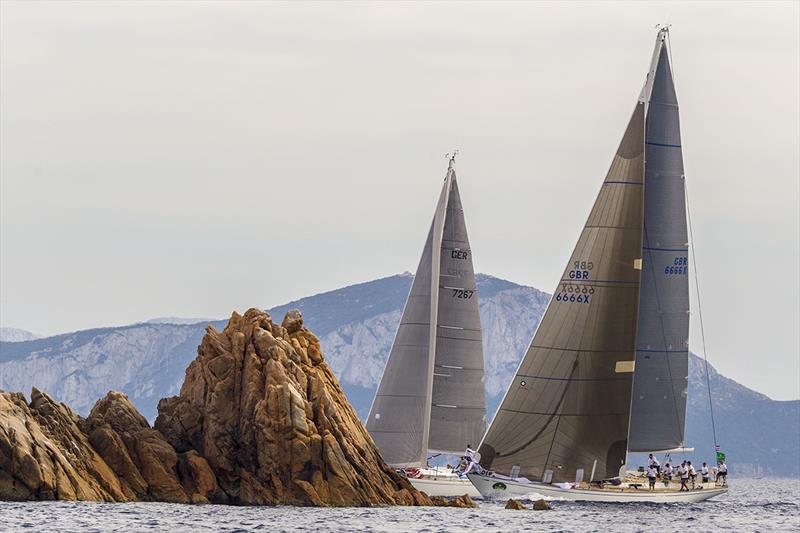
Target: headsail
pixel 431 394
pixel 568 405
pixel 658 409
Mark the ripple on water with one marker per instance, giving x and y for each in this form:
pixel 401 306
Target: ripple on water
pixel 752 505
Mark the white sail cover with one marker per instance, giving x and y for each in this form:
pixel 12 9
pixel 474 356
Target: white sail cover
pixel 568 405
pixel 431 395
pixel 658 409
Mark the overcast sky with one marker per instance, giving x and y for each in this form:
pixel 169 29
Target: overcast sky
pixel 189 159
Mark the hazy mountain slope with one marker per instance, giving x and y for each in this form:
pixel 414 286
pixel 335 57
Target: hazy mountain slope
pixel 356 326
pixel 145 361
pixel 16 335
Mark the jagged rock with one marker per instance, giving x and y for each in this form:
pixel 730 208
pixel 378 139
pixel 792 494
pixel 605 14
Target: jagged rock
pixel 260 419
pixel 44 455
pixel 144 461
pixel 265 410
pixel 541 505
pixel 516 505
pixel 293 321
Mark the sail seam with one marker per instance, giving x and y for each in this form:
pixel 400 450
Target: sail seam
pixel 663 145
pixel 561 414
pixel 573 379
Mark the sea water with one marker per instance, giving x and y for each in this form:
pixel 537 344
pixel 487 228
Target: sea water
pixel 770 505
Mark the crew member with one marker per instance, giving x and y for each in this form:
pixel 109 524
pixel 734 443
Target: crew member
pixel 722 473
pixel 651 476
pixel 469 459
pixel 704 472
pixel 683 472
pixel 654 463
pixel 692 472
pixel 666 474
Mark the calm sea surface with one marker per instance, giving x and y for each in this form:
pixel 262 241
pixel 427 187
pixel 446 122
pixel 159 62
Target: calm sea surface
pixel 752 505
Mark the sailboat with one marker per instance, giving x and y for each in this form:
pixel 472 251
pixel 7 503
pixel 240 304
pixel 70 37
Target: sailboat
pixel 607 370
pixel 431 398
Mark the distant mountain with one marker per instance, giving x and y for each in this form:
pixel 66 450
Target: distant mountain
pixel 178 320
pixel 356 326
pixel 16 335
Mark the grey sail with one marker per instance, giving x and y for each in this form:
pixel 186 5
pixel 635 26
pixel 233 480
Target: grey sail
pixel 568 405
pixel 397 418
pixel 660 381
pixel 458 408
pixel 431 394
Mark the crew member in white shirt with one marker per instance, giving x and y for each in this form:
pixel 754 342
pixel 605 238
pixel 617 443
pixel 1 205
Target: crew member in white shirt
pixel 692 472
pixel 683 472
pixel 654 463
pixel 666 474
pixel 704 472
pixel 651 476
pixel 469 458
pixel 722 473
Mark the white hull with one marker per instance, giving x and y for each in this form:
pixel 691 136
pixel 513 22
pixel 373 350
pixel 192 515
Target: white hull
pixel 493 488
pixel 445 487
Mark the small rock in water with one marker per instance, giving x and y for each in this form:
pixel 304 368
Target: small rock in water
pixel 515 505
pixel 458 501
pixel 541 505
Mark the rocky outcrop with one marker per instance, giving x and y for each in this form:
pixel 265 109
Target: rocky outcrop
pixel 44 454
pixel 260 420
pixel 515 505
pixel 264 408
pixel 538 505
pixel 541 505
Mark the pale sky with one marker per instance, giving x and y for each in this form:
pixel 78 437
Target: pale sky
pixel 188 159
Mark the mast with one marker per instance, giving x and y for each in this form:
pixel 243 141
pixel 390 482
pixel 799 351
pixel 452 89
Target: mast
pixel 438 235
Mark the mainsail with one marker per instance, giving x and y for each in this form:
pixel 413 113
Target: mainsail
pixel 658 410
pixel 618 319
pixel 431 395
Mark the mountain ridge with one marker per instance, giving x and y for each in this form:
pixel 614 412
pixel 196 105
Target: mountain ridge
pixel 356 327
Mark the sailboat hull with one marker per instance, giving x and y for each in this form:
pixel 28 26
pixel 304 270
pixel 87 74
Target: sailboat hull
pixel 492 488
pixel 445 487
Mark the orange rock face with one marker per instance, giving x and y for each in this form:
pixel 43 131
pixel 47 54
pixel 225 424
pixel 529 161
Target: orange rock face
pixel 265 409
pixel 260 420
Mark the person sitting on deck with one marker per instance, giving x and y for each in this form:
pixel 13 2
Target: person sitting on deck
pixel 722 473
pixel 704 472
pixel 651 476
pixel 692 472
pixel 666 474
pixel 654 463
pixel 683 472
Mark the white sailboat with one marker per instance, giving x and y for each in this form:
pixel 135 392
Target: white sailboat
pixel 607 370
pixel 431 398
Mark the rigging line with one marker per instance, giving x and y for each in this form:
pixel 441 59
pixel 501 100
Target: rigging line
pixel 700 315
